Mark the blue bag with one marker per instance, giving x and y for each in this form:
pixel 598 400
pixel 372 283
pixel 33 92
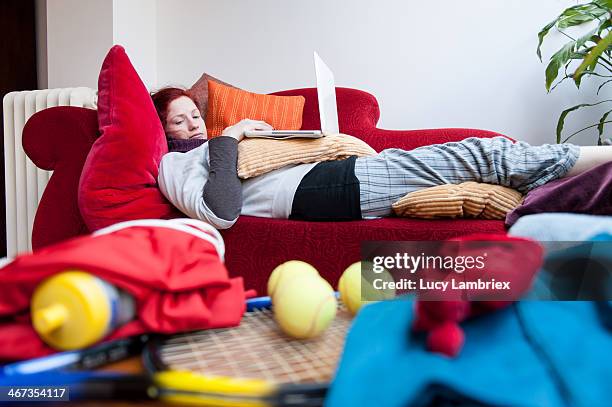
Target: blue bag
pixel 530 354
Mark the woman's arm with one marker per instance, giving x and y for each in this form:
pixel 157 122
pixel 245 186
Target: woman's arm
pixel 209 190
pixel 222 193
pixel 182 178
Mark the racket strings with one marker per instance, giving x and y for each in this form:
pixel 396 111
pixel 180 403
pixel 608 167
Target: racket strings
pixel 258 349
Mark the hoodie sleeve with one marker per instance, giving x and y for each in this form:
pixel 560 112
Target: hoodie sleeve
pixel 183 180
pixel 222 193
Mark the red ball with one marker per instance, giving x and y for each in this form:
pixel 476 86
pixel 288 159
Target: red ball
pixel 446 339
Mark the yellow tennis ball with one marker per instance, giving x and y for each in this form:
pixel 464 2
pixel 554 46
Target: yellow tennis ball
pixel 357 289
pixel 305 307
pixel 374 286
pixel 349 287
pixel 287 271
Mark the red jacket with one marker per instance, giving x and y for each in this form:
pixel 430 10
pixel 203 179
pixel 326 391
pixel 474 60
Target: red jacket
pixel 173 268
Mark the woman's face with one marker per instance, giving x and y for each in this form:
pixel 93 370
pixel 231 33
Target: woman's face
pixel 184 120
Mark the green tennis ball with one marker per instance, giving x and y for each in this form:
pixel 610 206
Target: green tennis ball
pixel 287 271
pixel 357 290
pixel 305 307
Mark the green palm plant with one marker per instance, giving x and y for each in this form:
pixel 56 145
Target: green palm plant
pixel 587 55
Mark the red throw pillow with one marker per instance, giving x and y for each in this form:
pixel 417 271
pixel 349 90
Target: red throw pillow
pixel 119 178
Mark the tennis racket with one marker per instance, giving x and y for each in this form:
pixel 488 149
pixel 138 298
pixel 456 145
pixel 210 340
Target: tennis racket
pixel 89 358
pixel 254 364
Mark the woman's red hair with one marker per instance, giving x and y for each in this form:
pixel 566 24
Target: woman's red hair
pixel 163 97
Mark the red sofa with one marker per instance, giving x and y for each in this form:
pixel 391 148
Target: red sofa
pixel 59 139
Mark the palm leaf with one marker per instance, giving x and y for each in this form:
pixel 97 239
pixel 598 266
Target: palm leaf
pixel 581 130
pixel 569 51
pixel 579 15
pixel 603 84
pixel 605 4
pixel 580 42
pixel 590 60
pixel 600 126
pixel 559 59
pixel 590 36
pixel 572 16
pixel 604 25
pixel 543 32
pixel 576 19
pixel 561 121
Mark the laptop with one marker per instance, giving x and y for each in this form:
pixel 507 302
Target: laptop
pixel 328 111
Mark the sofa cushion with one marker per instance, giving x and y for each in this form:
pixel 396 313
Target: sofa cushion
pixel 58 139
pixel 587 193
pixel 199 90
pixel 465 200
pixel 255 246
pixel 119 177
pixel 258 156
pixel 228 105
pixel 358 111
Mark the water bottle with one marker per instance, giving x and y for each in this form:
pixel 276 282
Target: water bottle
pixel 75 309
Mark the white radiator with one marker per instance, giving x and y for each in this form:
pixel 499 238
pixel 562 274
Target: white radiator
pixel 24 181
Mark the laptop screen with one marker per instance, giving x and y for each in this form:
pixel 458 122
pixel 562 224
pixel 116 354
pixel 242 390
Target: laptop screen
pixel 326 90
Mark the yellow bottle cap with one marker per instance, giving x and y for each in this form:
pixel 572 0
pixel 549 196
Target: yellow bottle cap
pixel 50 318
pixel 71 310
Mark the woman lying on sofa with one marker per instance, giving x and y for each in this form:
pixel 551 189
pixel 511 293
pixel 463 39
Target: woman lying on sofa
pixel 355 188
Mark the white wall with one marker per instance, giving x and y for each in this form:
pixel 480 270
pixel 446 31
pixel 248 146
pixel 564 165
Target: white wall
pixel 76 35
pixel 79 33
pixel 430 64
pixel 135 27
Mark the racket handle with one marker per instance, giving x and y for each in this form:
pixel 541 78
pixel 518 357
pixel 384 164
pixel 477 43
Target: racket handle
pixel 303 395
pixel 96 356
pixel 122 387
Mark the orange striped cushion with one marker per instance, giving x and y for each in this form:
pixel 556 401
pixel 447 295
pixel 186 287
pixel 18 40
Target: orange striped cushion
pixel 465 200
pixel 227 106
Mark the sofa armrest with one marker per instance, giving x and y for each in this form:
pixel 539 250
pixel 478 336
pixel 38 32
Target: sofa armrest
pixel 381 139
pixel 59 139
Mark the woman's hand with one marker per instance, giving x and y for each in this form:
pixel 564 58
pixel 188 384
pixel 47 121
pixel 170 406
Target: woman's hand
pixel 237 130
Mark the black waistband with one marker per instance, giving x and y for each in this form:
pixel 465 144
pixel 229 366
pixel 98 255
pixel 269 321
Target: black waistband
pixel 329 192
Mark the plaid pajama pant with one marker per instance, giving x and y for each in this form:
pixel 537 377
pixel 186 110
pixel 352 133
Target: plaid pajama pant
pixel 388 176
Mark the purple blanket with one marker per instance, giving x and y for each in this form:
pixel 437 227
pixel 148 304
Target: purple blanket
pixel 588 193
